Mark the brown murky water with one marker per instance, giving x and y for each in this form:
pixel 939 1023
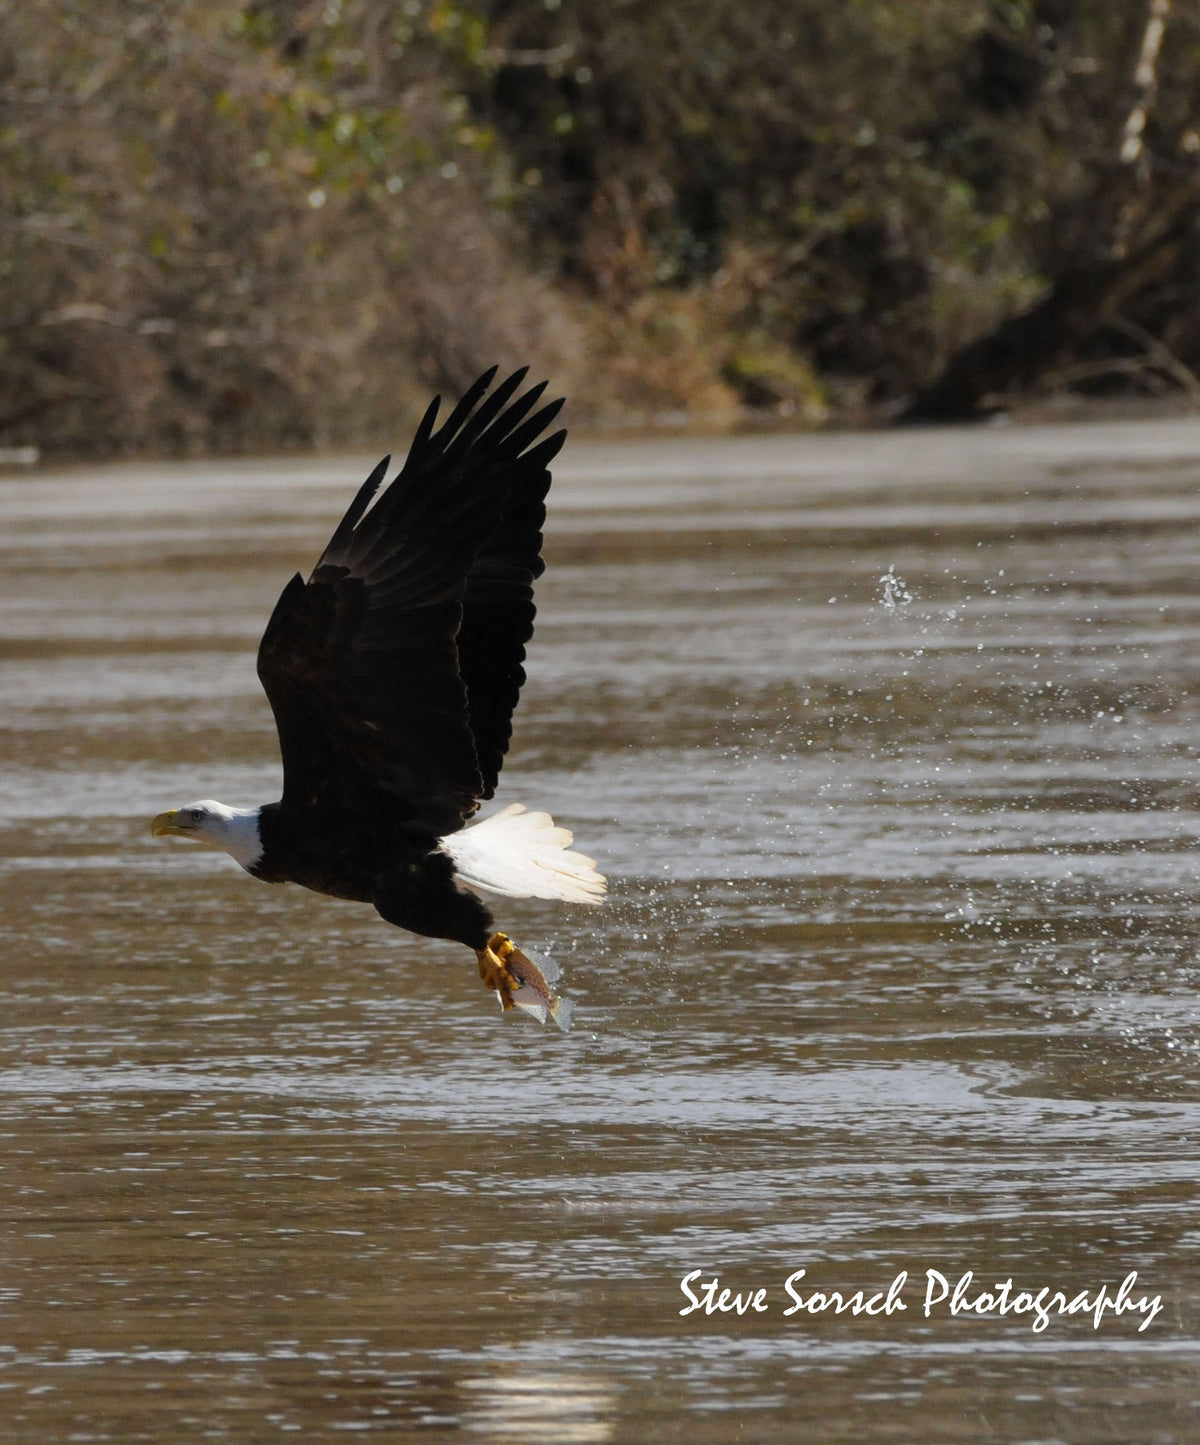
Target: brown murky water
pixel 888 746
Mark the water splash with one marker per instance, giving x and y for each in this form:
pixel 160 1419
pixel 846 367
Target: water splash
pixel 894 592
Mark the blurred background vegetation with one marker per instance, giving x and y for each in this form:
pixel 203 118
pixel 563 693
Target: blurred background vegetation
pixel 246 226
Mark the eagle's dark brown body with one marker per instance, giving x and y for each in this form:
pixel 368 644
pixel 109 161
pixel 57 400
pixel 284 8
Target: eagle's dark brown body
pixel 404 874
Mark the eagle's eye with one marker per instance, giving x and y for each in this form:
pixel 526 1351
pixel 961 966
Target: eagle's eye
pixel 195 815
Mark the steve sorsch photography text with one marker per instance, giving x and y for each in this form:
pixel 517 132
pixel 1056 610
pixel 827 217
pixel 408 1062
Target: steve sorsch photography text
pixel 929 1292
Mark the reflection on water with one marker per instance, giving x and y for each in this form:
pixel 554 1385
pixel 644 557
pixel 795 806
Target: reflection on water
pixel 887 745
pixel 558 1408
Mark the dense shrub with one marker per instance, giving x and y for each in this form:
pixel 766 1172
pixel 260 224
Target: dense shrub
pixel 232 225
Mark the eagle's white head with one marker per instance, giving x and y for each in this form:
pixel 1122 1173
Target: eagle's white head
pixel 235 830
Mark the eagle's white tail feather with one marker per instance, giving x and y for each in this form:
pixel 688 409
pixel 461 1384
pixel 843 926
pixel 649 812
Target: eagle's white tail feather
pixel 523 855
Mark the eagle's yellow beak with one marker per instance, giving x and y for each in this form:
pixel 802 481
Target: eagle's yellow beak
pixel 169 824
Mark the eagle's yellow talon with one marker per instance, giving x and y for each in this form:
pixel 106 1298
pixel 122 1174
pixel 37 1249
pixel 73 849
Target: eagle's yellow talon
pixel 508 971
pixel 494 970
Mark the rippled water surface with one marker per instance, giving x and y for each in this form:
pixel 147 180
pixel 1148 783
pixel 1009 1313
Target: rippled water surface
pixel 888 746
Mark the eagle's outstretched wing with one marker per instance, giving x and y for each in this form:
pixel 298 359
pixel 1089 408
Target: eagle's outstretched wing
pixel 394 670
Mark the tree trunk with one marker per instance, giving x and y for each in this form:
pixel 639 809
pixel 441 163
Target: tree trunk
pixel 1012 356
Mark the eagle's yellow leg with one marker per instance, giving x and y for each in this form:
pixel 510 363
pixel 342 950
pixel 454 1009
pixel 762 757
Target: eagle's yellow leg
pixel 504 968
pixel 494 971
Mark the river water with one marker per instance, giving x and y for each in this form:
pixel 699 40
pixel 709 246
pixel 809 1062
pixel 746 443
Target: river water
pixel 887 744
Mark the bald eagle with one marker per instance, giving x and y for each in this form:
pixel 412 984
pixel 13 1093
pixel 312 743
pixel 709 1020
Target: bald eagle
pixel 393 673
